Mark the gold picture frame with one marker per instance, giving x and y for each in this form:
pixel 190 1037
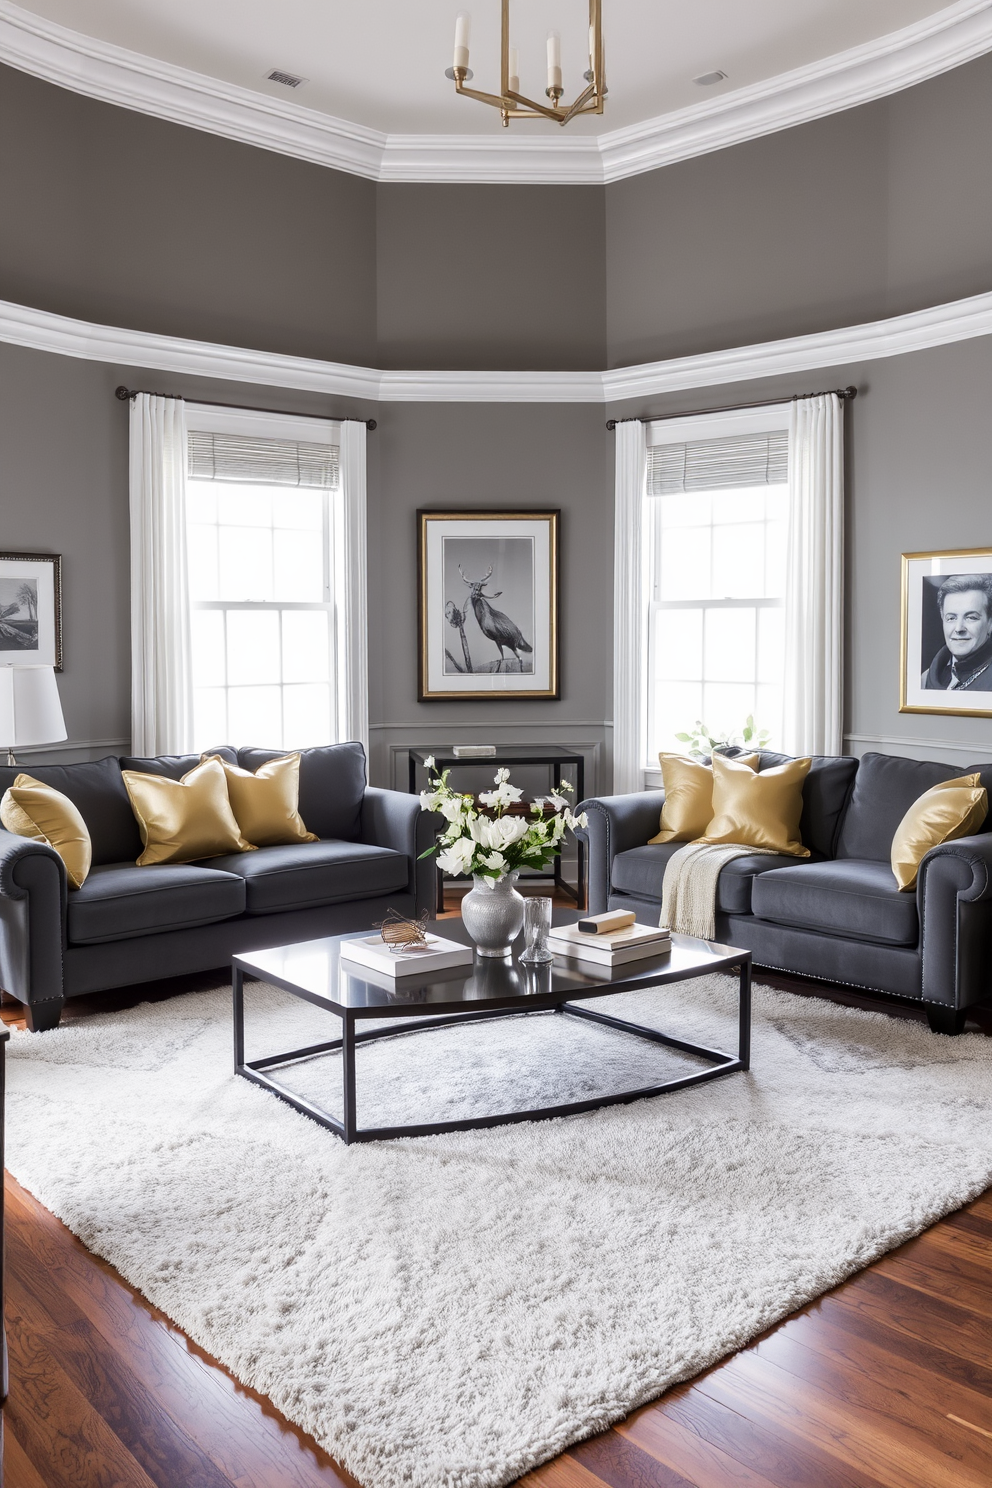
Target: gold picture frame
pixel 945 652
pixel 468 647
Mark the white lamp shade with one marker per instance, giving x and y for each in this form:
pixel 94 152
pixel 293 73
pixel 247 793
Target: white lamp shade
pixel 30 710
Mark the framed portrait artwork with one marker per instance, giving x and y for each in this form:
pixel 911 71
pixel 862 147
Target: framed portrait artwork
pixel 488 604
pixel 947 632
pixel 31 609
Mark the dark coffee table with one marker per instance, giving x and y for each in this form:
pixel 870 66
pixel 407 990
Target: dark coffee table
pixel 313 971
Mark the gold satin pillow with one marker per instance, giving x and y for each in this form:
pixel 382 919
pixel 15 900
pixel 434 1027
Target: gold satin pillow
pixel 688 805
pixel 954 808
pixel 267 803
pixel 183 820
pixel 38 811
pixel 758 809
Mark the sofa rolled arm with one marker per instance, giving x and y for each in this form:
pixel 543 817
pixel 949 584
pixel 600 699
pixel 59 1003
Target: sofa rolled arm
pixel 33 891
pixel 396 819
pixel 616 823
pixel 954 898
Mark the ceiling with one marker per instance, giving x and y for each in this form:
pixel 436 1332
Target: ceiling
pixel 380 63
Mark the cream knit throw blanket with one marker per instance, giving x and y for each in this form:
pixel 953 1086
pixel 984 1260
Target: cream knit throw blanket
pixel 689 896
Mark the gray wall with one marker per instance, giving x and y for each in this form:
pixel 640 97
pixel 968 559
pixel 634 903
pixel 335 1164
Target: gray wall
pixel 873 212
pixel 492 276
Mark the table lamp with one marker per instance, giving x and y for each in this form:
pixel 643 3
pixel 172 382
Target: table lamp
pixel 30 711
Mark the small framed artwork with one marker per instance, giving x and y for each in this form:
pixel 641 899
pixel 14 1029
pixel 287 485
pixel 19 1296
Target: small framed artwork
pixel 488 603
pixel 31 609
pixel 947 632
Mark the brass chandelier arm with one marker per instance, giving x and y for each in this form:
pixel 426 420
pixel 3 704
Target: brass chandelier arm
pixel 516 105
pixel 578 105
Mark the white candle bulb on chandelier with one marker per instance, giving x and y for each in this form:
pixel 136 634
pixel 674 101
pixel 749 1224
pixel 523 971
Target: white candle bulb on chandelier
pixel 462 24
pixel 514 70
pixel 554 60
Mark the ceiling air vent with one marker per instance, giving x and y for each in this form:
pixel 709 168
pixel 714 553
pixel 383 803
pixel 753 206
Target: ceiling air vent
pixel 288 79
pixel 707 79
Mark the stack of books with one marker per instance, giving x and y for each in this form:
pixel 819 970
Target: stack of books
pixel 611 948
pixel 371 950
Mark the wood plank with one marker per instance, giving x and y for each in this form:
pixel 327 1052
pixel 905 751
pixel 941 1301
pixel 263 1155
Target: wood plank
pixel 560 1472
pixel 621 1463
pixel 678 1447
pixel 972 1222
pixel 946 1277
pixel 241 1431
pixel 148 1432
pixel 866 1352
pixel 866 1420
pixel 783 1457
pixel 61 1434
pixel 926 1318
pixel 17 1470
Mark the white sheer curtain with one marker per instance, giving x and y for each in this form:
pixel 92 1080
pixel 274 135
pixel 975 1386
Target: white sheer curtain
pixel 814 589
pixel 161 684
pixel 351 551
pixel 629 608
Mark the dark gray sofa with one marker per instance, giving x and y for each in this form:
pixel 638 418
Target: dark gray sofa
pixel 837 916
pixel 128 924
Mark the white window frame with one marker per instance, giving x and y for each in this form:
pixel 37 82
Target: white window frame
pixel 344 547
pixel 633 598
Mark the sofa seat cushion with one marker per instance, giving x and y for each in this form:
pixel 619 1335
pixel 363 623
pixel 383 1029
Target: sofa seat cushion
pixel 641 872
pixel 302 875
pixel 119 900
pixel 850 897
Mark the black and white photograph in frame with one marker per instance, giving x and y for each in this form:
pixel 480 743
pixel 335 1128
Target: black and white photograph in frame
pixel 31 609
pixel 488 600
pixel 947 632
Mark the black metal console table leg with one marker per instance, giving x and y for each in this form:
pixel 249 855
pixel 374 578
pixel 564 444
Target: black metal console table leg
pixel 348 1075
pixel 744 1027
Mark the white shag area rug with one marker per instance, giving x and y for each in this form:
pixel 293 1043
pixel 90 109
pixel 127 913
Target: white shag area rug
pixel 455 1310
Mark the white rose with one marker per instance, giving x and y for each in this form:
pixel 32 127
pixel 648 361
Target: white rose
pixel 503 795
pixel 500 834
pixel 458 857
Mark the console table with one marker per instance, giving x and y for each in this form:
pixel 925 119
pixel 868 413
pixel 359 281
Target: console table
pixel 559 760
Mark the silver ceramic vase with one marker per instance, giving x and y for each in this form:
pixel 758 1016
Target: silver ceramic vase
pixel 494 917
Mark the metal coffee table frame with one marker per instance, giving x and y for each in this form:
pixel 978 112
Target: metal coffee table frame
pixel 443 1014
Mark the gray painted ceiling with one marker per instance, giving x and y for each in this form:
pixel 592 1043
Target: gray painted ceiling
pixel 381 62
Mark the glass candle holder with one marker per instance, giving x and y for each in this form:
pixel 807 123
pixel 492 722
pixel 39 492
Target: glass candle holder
pixel 537 923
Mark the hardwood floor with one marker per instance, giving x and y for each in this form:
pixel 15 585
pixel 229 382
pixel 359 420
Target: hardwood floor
pixel 886 1382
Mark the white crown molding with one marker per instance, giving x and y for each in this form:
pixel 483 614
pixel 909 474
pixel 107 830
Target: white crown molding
pixel 131 80
pixel 42 330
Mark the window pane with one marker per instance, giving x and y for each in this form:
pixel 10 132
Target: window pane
pixel 676 706
pixel 308 715
pixel 747 505
pixel 201 501
pixel 245 563
pixel 726 705
pixel 244 506
pixel 306 646
pixel 255 717
pixel 253 650
pixel 771 644
pixel 303 510
pixel 298 562
pixel 684 509
pixel 207 644
pixel 730 645
pixel 678 645
pixel 201 547
pixel 768 711
pixel 209 717
pixel 738 560
pixel 685 563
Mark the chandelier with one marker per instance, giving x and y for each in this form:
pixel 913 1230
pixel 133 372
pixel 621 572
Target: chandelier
pixel 513 104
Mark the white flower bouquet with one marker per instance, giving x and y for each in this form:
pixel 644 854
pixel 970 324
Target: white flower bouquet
pixel 487 842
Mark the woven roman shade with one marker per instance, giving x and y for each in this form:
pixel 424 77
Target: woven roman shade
pixel 263 462
pixel 705 464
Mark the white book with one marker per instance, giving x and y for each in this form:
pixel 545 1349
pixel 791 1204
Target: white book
pixel 473 751
pixel 372 951
pixel 613 940
pixel 603 957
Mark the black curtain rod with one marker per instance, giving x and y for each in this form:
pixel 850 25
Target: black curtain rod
pixel 844 394
pixel 125 394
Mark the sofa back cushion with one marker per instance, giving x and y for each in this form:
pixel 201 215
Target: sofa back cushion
pixel 174 766
pixel 826 790
pixel 332 785
pixel 885 788
pixel 96 789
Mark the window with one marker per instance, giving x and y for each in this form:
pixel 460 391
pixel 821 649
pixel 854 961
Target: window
pixel 715 516
pixel 263 521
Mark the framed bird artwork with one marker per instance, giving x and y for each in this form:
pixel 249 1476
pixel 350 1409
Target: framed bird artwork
pixel 488 603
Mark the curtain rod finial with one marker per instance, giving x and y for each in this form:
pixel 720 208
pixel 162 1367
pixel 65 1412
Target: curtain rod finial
pixel 123 393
